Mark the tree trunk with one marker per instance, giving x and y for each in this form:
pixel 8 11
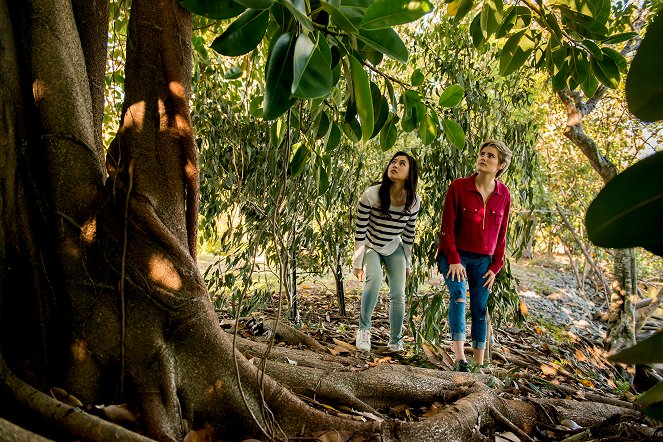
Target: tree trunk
pixel 621 330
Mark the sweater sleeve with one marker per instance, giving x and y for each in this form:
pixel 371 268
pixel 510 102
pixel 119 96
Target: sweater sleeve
pixel 498 255
pixel 447 229
pixel 408 233
pixel 363 212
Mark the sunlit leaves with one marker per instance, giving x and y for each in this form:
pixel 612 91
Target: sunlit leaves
pixel 451 96
pixel 454 133
pixel 278 77
pixel 219 9
pixel 644 84
pixel 312 76
pixel 338 17
pixel 459 8
pixel 300 157
pixel 233 72
pixel 243 35
pixel 388 135
pixel 362 95
pixel 516 51
pixel 387 13
pixel 386 41
pixel 606 71
pixel 491 17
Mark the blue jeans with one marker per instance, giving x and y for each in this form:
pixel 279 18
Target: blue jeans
pixel 394 264
pixel 476 265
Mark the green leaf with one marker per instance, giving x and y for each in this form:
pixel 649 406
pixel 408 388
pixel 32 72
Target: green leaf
pixel 618 58
pixel 256 4
pixel 475 30
pixel 491 17
pixel 300 157
pixel 352 130
pixel 606 71
pixel 255 107
pixel 362 93
pixel 459 9
pixel 277 132
pixel 380 109
pixel 417 78
pixel 516 51
pixel 428 129
pixel 218 9
pixel 243 35
pixel 625 212
pixel 652 396
pixel 590 85
pixel 312 76
pixel 644 352
pixel 388 136
pixel 593 49
pixel 322 178
pixel 454 133
pixel 339 18
pixel 322 125
pixel 298 10
pixel 619 38
pixel 278 77
pixel 333 138
pixel 386 13
pixel 233 72
pixel 655 411
pixel 644 83
pixel 387 41
pixel 452 95
pixel 580 7
pixel 579 65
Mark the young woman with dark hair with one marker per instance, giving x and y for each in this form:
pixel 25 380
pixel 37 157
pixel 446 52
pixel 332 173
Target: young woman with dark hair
pixel 384 235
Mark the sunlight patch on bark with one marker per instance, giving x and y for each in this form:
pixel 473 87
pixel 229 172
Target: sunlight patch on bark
pixel 134 116
pixel 79 350
pixel 215 389
pixel 163 272
pixel 89 230
pixel 39 90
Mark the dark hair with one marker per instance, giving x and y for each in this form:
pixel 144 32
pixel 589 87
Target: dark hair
pixel 410 185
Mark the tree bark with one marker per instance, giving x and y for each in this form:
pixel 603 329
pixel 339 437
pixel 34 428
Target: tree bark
pixel 621 330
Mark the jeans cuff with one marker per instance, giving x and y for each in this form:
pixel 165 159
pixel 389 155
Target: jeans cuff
pixel 458 336
pixel 479 345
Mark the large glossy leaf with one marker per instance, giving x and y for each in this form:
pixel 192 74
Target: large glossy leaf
pixel 338 17
pixel 606 71
pixel 218 9
pixel 579 65
pixel 233 72
pixel 381 114
pixel 243 35
pixel 619 38
pixel 580 7
pixel 298 10
pixel 644 83
pixel 459 8
pixel 333 138
pixel 278 77
pixel 300 157
pixel 322 125
pixel 652 396
pixel 362 93
pixel 386 13
pixel 312 76
pixel 627 212
pixel 386 41
pixel 352 130
pixel 491 17
pixel 475 31
pixel 590 85
pixel 255 107
pixel 428 129
pixel 618 58
pixel 388 136
pixel 515 18
pixel 277 132
pixel 644 352
pixel 256 4
pixel 452 95
pixel 516 51
pixel 454 133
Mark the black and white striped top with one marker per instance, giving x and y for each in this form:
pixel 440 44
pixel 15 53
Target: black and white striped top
pixel 380 233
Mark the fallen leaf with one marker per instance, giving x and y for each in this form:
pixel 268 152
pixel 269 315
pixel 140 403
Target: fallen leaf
pixel 119 413
pixel 548 370
pixel 332 436
pixel 291 362
pixel 570 424
pixel 580 356
pixel 345 345
pixel 62 395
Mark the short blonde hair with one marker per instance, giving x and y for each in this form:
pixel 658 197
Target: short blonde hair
pixel 504 154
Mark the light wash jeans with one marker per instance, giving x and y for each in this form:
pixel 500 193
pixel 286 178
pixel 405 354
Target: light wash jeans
pixel 394 265
pixel 476 265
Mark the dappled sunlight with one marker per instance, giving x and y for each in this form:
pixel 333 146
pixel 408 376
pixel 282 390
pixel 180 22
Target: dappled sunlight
pixel 215 389
pixel 39 90
pixel 135 116
pixel 162 272
pixel 89 230
pixel 79 350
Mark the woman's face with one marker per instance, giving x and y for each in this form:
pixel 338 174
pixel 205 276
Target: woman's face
pixel 399 168
pixel 488 160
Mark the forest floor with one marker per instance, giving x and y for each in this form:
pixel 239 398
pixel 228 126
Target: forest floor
pixel 557 353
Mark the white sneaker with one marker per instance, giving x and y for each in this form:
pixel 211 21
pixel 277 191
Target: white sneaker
pixel 396 347
pixel 363 341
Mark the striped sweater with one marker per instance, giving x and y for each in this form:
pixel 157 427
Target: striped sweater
pixel 380 233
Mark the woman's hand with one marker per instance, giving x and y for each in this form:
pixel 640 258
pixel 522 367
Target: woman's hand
pixel 457 271
pixel 359 273
pixel 490 279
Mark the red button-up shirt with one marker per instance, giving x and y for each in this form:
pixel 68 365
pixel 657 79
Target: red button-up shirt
pixel 470 226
